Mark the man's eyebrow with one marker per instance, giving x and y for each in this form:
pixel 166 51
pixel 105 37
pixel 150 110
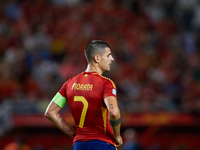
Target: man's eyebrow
pixel 109 54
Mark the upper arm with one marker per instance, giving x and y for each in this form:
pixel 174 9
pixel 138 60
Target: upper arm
pixel 52 109
pixel 56 104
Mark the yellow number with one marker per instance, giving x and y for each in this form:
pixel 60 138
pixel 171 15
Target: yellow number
pixel 84 110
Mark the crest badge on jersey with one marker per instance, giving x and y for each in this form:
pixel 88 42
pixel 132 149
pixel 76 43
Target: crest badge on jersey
pixel 114 91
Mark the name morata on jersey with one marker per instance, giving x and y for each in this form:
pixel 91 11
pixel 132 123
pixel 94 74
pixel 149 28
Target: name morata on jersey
pixel 85 95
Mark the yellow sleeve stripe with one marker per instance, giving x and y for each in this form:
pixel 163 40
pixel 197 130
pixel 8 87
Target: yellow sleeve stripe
pixel 104 114
pixel 110 81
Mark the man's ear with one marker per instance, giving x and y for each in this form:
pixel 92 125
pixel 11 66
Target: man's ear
pixel 96 58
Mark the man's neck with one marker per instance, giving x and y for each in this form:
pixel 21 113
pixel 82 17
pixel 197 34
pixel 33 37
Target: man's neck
pixel 93 68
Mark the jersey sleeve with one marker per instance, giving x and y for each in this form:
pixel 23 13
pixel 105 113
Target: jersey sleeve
pixel 110 89
pixel 60 97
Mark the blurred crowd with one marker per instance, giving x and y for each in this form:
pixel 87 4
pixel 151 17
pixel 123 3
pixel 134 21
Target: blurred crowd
pixel 155 43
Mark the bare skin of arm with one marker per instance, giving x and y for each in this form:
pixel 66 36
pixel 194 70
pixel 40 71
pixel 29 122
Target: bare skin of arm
pixel 52 113
pixel 114 114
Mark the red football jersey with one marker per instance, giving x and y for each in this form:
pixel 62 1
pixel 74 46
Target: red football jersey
pixel 85 95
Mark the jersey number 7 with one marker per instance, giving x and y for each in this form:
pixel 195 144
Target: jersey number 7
pixel 84 110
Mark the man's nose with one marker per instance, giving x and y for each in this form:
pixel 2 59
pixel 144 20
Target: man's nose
pixel 112 58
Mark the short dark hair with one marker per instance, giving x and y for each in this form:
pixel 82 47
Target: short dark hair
pixel 95 47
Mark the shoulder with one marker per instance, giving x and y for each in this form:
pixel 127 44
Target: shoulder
pixel 108 81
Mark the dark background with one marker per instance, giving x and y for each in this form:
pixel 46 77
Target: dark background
pixel 155 44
